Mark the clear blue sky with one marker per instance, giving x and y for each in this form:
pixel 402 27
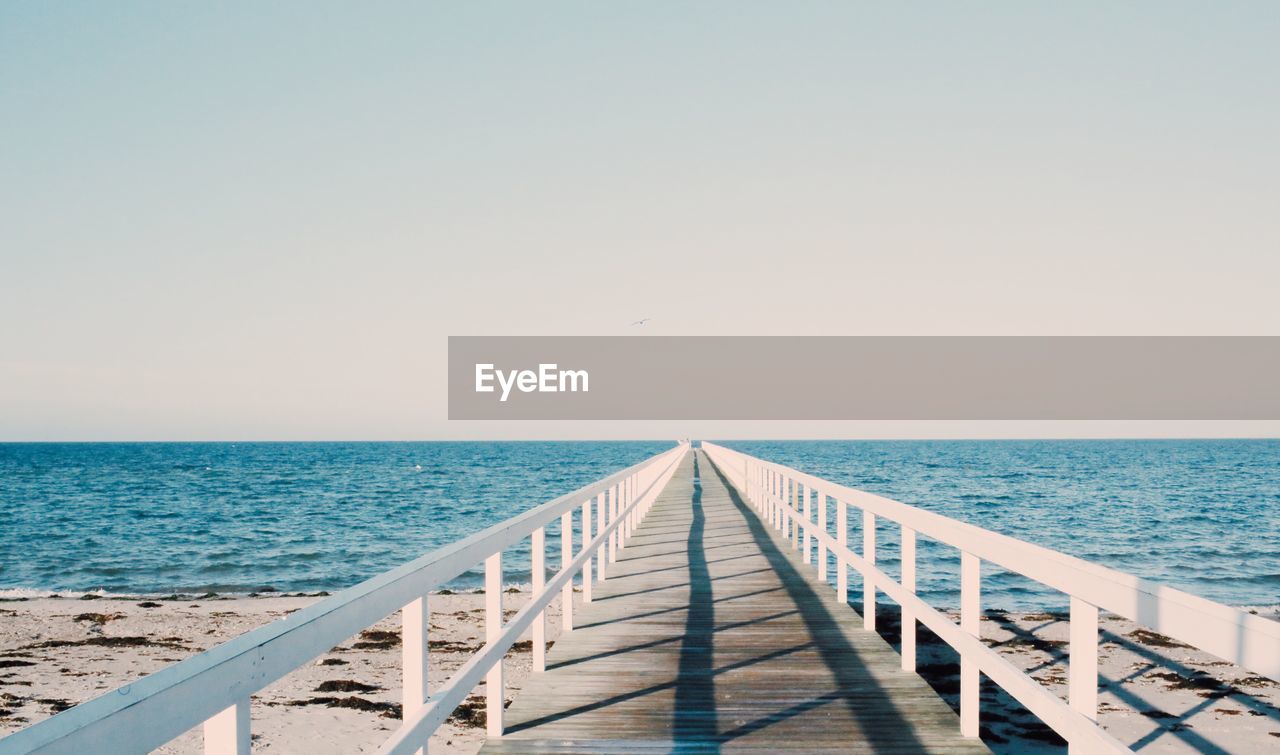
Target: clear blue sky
pixel 250 220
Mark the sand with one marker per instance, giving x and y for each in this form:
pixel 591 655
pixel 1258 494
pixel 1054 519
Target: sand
pixel 57 652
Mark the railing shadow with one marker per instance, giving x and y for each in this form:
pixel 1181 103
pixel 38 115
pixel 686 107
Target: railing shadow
pixel 882 725
pixel 696 721
pixel 1178 725
pixel 1008 727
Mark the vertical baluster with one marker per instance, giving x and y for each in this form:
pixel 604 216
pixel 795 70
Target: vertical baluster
pixel 760 490
pixel 621 513
pixel 586 537
pixel 784 502
pixel 773 500
pixel 820 500
pixel 631 514
pixel 642 503
pixel 970 616
pixel 415 620
pixel 613 517
pixel 808 533
pixel 869 582
pixel 766 494
pixel 768 497
pixel 777 501
pixel 566 557
pixel 602 508
pixel 493 686
pixel 842 563
pixel 792 506
pixel 538 557
pixel 1082 671
pixel 908 584
pixel 625 531
pixel 227 733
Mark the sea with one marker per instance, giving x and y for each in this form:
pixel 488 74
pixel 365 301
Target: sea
pixel 238 518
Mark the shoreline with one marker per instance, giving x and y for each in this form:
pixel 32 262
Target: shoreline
pixel 24 594
pixel 58 652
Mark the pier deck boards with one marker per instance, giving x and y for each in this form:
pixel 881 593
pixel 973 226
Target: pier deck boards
pixel 709 635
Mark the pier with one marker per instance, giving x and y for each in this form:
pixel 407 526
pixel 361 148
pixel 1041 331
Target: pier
pixel 711 633
pixel 709 620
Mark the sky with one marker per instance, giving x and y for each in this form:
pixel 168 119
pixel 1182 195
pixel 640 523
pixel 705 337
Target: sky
pixel 244 221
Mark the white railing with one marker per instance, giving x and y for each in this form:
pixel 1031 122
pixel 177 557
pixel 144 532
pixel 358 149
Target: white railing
pixel 781 497
pixel 213 687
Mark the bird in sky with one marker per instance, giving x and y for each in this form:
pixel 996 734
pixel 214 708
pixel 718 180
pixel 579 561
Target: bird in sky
pixel 642 322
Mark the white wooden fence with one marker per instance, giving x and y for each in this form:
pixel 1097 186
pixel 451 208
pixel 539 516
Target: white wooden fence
pixel 214 687
pixel 788 499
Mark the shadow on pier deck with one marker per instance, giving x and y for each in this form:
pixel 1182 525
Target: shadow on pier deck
pixel 710 635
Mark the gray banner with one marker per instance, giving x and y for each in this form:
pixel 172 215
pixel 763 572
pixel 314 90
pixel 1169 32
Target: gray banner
pixel 819 377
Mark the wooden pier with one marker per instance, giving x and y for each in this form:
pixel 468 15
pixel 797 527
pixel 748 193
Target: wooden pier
pixel 710 634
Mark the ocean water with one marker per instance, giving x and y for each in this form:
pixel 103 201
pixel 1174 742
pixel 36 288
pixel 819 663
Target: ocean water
pixel 241 517
pixel 1201 515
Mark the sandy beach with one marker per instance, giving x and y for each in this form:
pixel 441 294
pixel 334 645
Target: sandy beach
pixel 58 652
pixel 1156 694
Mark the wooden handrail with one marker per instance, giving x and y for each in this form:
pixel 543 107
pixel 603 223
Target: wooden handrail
pixel 1235 635
pixel 213 687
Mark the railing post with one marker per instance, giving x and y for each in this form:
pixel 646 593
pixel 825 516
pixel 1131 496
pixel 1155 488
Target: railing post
pixel 623 496
pixel 762 491
pixel 602 508
pixel 493 686
pixel 1082 669
pixel 842 563
pixel 625 530
pixel 808 514
pixel 908 584
pixel 784 502
pixel 768 498
pixel 820 500
pixel 970 618
pixel 775 516
pixel 613 517
pixel 566 557
pixel 631 517
pixel 792 506
pixel 631 498
pixel 538 555
pixel 868 582
pixel 586 568
pixel 779 519
pixel 415 620
pixel 227 733
pixel 775 487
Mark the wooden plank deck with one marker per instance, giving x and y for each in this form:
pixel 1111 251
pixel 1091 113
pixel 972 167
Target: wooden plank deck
pixel 710 635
